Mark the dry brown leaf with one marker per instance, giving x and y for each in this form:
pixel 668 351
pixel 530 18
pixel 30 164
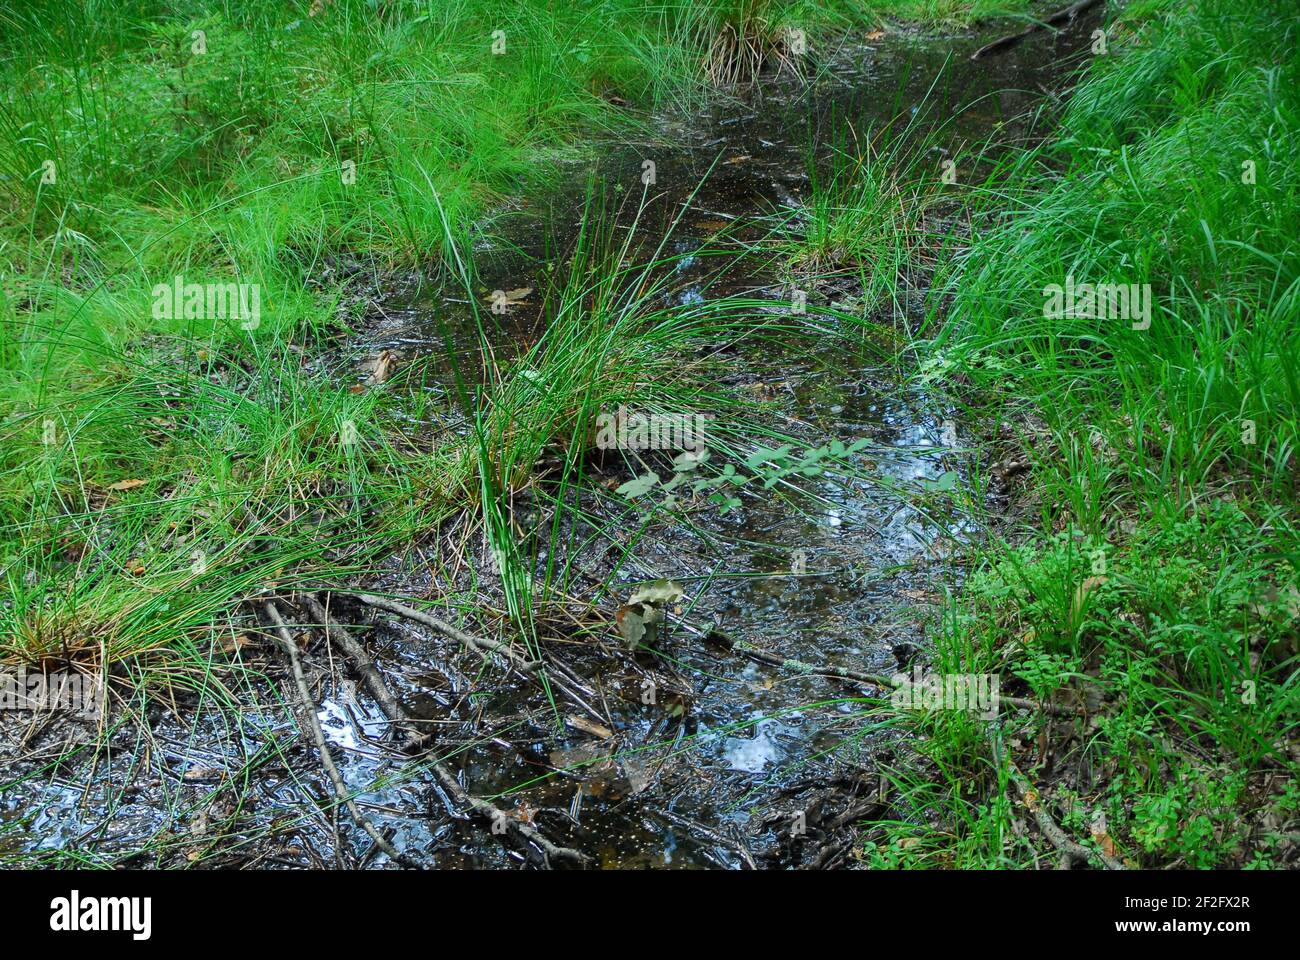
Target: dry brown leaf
pixel 1081 595
pixel 922 596
pixel 1105 841
pixel 584 725
pixel 510 297
pixel 232 644
pixel 126 485
pixel 379 367
pixel 202 773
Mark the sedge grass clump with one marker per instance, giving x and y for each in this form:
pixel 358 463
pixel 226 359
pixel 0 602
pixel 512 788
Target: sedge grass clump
pixel 865 214
pixel 744 41
pixel 860 214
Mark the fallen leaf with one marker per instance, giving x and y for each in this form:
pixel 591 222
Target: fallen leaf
pixel 233 644
pixel 658 593
pixel 922 596
pixel 127 485
pixel 1105 841
pixel 504 299
pixel 201 773
pixel 583 725
pixel 379 367
pixel 1031 799
pixel 631 625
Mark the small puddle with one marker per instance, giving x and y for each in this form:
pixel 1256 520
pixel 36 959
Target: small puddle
pixel 718 765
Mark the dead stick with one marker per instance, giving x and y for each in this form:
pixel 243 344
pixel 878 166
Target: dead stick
pixel 844 673
pixel 501 820
pixel 1002 43
pixel 326 759
pixel 702 831
pixel 477 644
pixel 389 703
pixel 416 741
pixel 1071 850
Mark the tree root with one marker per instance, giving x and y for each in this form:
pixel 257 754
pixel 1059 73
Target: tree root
pixel 1071 852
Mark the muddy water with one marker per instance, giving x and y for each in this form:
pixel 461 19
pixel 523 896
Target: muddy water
pixel 710 758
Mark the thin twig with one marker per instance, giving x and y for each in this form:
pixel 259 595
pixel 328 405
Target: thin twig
pixel 705 833
pixel 416 740
pixel 480 645
pixel 327 761
pixel 501 821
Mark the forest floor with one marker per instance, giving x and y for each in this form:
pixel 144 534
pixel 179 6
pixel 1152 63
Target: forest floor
pixel 362 579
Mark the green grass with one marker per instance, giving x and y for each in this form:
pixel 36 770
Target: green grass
pixel 160 473
pixel 866 213
pixel 250 143
pixel 1161 570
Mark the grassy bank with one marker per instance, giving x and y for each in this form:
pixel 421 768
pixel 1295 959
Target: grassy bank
pixel 161 463
pixel 1152 585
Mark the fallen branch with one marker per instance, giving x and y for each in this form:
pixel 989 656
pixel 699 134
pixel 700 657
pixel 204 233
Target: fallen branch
pixel 327 760
pixel 705 833
pixel 480 645
pixel 416 740
pixel 1070 851
pixel 501 821
pixel 1003 43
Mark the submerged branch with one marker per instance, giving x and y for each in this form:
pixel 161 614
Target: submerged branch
pixel 327 760
pixel 1004 43
pixel 501 822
